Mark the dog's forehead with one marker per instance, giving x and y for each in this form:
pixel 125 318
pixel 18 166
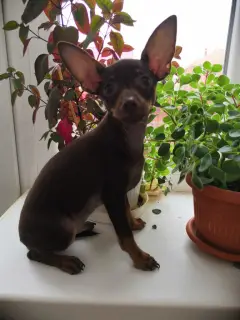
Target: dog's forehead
pixel 125 69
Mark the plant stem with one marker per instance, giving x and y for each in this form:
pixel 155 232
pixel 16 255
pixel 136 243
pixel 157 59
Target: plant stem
pixel 235 102
pixel 104 38
pixel 26 88
pixel 37 36
pixel 171 117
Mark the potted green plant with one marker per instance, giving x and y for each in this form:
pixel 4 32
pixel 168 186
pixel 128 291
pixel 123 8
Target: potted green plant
pixel 200 139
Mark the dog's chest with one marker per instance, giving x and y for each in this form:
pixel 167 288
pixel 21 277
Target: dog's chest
pixel 135 173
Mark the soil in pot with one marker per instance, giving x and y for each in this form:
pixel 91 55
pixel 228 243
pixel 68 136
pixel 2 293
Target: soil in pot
pixel 217 218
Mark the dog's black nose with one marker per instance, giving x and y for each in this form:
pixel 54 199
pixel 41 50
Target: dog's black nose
pixel 130 104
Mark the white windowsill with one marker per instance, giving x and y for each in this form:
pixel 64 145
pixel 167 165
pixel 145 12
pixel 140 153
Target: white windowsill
pixel 189 285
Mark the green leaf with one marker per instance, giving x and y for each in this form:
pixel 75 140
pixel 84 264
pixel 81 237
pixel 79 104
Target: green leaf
pixel 117 42
pixel 52 106
pixel 91 4
pixel 105 5
pixel 32 100
pixel 160 136
pixel 217 68
pixel 163 149
pixel 196 181
pixel 167 119
pixel 225 149
pixel 194 85
pixel 228 87
pixel 124 18
pixel 160 165
pixel 217 174
pixel 46 25
pixel 56 137
pixel 21 76
pixel 233 114
pixel 206 181
pixel 235 133
pixel 180 71
pixel 96 23
pixel 49 143
pixel 223 80
pixel 41 67
pixel 198 70
pixel 44 136
pixel 23 32
pixel 212 126
pixel 11 25
pixel 220 98
pixel 179 133
pixel 207 65
pixel 80 15
pixel 210 78
pixel 70 95
pixel 185 79
pixel 159 129
pixel 217 108
pixel 180 153
pixel 10 69
pixel 149 130
pixel 231 166
pixel 17 84
pixel 196 77
pixel 216 117
pixel 151 118
pixel 4 76
pixel 168 86
pixel 198 129
pixel 14 97
pixel 225 127
pixel 200 151
pixel 69 34
pixel 237 158
pixel 205 162
pixel 46 87
pixel 33 9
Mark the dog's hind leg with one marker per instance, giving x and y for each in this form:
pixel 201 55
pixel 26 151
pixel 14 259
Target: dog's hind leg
pixel 44 240
pixel 69 264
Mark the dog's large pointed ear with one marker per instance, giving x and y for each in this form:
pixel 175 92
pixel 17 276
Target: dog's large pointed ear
pixel 81 65
pixel 160 47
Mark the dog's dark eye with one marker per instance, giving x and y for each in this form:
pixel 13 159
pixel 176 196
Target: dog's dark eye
pixel 145 81
pixel 108 89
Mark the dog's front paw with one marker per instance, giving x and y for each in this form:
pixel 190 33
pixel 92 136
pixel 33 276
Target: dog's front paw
pixel 137 224
pixel 146 263
pixel 71 265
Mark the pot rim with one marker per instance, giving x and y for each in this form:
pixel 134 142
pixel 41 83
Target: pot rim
pixel 213 192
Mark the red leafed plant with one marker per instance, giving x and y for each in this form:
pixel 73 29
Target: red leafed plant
pixel 95 26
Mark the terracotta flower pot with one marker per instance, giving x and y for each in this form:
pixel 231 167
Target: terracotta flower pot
pixel 217 218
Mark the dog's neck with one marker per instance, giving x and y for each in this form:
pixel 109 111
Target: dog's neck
pixel 126 136
pixel 134 137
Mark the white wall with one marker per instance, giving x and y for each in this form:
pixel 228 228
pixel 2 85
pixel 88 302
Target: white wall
pixel 9 183
pixel 32 153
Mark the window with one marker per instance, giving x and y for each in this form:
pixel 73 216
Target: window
pixel 202 29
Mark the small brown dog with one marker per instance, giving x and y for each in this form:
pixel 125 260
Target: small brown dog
pixel 104 164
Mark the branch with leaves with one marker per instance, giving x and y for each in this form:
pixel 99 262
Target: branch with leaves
pixel 69 110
